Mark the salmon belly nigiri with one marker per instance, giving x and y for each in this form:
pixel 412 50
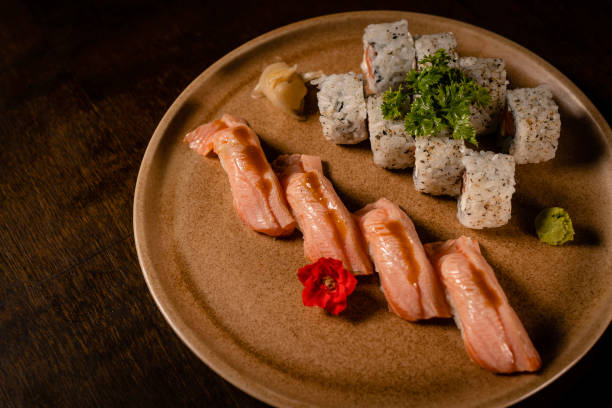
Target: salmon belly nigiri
pixel 257 194
pixel 493 335
pixel 409 282
pixel 328 227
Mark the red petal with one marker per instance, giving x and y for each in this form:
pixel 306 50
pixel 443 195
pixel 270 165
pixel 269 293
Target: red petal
pixel 350 284
pixel 340 292
pixel 316 295
pixel 347 280
pixel 307 271
pixel 337 307
pixel 311 295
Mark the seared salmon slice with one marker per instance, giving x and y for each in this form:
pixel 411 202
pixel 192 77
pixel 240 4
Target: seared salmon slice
pixel 257 194
pixel 411 286
pixel 329 229
pixel 367 57
pixel 493 335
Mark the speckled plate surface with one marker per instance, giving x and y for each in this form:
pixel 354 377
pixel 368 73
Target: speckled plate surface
pixel 233 296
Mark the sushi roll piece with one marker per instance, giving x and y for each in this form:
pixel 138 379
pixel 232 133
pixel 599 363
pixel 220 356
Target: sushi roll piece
pixel 392 147
pixel 438 166
pixel 388 55
pixel 488 185
pixel 428 44
pixel 490 73
pixel 532 124
pixel 342 107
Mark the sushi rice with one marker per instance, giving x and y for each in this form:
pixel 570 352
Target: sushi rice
pixel 388 55
pixel 490 73
pixel 392 147
pixel 427 45
pixel 342 107
pixel 438 166
pixel 537 124
pixel 488 185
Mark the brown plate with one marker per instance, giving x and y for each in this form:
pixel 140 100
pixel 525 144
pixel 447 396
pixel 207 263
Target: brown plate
pixel 233 296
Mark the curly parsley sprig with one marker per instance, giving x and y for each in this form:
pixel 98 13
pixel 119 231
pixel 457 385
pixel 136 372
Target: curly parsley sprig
pixel 441 98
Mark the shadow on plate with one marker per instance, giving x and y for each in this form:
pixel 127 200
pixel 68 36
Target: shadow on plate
pixel 579 142
pixel 365 301
pixel 541 323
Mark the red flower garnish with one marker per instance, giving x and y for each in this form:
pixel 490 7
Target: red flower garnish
pixel 327 284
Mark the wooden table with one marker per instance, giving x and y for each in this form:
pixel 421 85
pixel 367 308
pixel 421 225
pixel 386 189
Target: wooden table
pixel 82 88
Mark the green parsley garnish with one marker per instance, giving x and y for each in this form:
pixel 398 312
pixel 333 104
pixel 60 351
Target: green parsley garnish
pixel 441 97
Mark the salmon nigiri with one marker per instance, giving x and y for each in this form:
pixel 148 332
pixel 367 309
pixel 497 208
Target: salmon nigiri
pixel 328 227
pixel 257 194
pixel 411 286
pixel 493 335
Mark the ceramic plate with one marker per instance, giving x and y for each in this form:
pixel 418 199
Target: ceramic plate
pixel 233 296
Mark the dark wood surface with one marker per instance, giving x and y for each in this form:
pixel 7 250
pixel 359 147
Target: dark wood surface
pixel 82 88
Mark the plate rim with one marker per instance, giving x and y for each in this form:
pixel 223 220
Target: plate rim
pixel 181 329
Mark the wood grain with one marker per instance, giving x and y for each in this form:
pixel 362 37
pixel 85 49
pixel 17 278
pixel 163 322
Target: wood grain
pixel 82 87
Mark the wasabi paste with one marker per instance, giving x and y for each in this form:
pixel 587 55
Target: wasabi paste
pixel 554 226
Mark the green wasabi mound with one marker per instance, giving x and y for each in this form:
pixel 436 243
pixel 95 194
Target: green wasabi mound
pixel 554 226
